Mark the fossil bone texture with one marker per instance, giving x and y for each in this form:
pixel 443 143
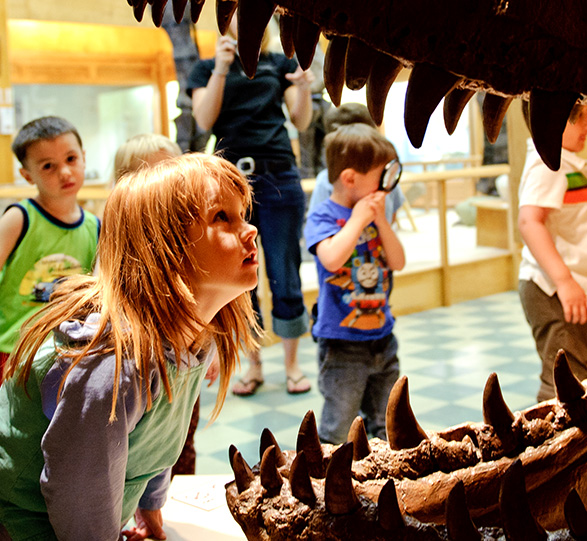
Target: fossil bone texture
pixel 534 49
pixel 515 476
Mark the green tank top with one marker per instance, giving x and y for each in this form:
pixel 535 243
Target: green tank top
pixel 48 250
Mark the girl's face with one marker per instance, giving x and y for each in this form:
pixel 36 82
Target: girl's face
pixel 224 248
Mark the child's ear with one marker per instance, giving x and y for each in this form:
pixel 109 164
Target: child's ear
pixel 26 175
pixel 347 176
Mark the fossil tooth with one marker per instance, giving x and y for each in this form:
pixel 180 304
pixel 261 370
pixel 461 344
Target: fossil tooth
pixel 358 435
pixel 458 520
pixel 242 472
pixel 286 32
pixel 390 517
pixel 224 11
pixel 384 71
pixel 195 10
pixel 576 515
pixel 270 477
pixel 268 439
pixel 306 35
pixel 497 414
pixel 231 451
pixel 517 519
pixel 253 16
pixel 359 59
pixel 139 9
pixel 494 110
pixel 428 84
pixel 157 10
pixel 309 442
pixel 568 387
pixel 339 493
pixel 299 479
pixel 549 112
pixel 179 9
pixel 454 104
pixel 403 430
pixel 334 61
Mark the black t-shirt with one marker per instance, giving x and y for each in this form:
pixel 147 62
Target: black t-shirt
pixel 251 121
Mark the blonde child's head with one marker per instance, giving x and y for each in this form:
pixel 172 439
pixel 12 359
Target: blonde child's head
pixel 143 289
pixel 356 146
pixel 141 150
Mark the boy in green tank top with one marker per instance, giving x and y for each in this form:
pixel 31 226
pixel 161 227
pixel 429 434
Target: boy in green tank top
pixel 49 236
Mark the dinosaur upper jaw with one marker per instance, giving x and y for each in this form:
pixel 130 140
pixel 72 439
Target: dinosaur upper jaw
pixel 534 49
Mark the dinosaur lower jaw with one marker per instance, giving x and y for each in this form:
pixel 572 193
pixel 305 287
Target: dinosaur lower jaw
pixel 522 472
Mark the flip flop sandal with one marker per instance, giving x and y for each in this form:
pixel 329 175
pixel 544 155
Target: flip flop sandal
pixel 250 387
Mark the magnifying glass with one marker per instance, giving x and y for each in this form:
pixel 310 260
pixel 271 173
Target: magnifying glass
pixel 390 176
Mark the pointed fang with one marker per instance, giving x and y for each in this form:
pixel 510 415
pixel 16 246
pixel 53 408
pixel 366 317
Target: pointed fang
pixel 268 439
pixel 157 10
pixel 428 84
pixel 299 479
pixel 576 515
pixel 567 385
pixel 309 442
pixel 224 11
pixel 497 414
pixel 253 16
pixel 384 72
pixel 549 112
pixel 339 493
pixel 454 104
pixel 390 516
pixel 516 516
pixel 403 430
pixel 494 110
pixel 334 61
pixel 139 9
pixel 458 520
pixel 358 435
pixel 306 35
pixel 195 10
pixel 179 9
pixel 286 32
pixel 270 477
pixel 359 59
pixel 242 472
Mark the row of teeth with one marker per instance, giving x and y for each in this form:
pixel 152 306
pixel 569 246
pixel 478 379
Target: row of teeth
pixel 340 496
pixel 352 62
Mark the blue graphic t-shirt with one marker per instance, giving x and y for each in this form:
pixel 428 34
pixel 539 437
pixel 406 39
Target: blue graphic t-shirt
pixel 353 302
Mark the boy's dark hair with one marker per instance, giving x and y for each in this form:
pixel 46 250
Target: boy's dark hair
pixel 46 127
pixel 356 146
pixel 575 112
pixel 347 113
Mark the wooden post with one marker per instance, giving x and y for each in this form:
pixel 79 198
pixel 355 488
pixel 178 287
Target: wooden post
pixel 6 103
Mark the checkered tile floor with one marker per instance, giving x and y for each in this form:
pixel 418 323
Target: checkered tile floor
pixel 447 354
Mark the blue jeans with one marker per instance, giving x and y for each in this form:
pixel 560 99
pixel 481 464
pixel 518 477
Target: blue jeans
pixel 355 379
pixel 278 213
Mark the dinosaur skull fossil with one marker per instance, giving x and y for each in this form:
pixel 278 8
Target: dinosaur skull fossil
pixel 533 49
pixel 517 475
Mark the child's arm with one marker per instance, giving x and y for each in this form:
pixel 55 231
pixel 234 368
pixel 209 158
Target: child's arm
pixel 531 222
pixel 394 251
pixel 335 251
pixel 10 229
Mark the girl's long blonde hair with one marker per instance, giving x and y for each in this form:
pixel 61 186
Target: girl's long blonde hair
pixel 141 290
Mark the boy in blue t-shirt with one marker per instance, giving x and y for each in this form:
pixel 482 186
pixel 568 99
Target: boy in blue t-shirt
pixel 356 251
